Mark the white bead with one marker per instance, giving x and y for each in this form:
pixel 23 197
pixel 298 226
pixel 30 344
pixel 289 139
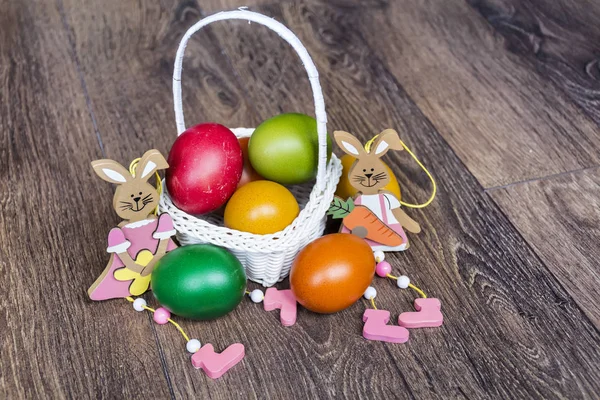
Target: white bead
pixel 403 282
pixel 370 293
pixel 257 295
pixel 139 304
pixel 379 256
pixel 193 345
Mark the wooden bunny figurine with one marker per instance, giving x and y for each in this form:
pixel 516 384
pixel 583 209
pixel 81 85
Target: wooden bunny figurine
pixel 369 175
pixel 141 239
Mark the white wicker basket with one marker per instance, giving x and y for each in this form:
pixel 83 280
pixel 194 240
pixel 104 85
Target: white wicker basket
pixel 267 258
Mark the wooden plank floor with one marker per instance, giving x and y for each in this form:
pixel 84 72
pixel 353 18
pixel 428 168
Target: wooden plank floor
pixel 498 97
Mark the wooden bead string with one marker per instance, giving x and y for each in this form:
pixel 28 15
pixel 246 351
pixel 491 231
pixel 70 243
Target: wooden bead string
pixel 152 310
pixel 410 285
pixel 179 328
pixel 386 268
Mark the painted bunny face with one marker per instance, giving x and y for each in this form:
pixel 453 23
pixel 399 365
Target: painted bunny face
pixel 368 174
pixel 134 198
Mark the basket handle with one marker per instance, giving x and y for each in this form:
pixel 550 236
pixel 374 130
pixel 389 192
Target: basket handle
pixel 289 37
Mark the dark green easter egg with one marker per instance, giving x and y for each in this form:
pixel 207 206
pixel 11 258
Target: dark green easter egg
pixel 199 281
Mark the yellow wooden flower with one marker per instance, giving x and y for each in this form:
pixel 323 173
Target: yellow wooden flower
pixel 140 283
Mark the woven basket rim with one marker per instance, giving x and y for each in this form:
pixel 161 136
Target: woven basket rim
pixel 256 242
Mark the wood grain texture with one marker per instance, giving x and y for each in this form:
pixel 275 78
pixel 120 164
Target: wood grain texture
pixel 560 37
pixel 505 122
pixel 560 218
pixel 469 255
pixel 53 340
pixel 127 55
pixel 511 330
pixel 213 6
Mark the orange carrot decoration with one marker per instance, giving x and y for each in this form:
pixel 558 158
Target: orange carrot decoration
pixel 363 222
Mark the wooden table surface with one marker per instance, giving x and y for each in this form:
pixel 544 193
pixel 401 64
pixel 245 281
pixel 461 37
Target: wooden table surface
pixel 500 98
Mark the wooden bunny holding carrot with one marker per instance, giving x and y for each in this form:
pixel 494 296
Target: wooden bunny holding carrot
pixel 375 214
pixel 141 239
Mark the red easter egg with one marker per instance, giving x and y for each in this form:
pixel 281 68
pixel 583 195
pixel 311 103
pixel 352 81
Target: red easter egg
pixel 205 166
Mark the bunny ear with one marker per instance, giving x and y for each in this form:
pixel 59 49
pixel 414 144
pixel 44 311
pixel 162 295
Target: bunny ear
pixel 111 171
pixel 349 143
pixel 385 141
pixel 150 162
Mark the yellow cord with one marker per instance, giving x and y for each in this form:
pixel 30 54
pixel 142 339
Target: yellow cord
pixel 373 303
pixel 152 310
pixel 132 167
pixel 416 289
pixel 368 148
pixel 410 285
pixel 187 339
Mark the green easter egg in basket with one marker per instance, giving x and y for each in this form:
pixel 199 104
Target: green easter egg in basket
pixel 285 148
pixel 199 281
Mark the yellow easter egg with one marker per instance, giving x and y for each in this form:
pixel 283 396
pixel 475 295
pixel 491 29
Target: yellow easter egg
pixel 345 189
pixel 261 207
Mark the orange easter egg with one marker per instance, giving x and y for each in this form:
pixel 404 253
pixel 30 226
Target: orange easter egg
pixel 249 174
pixel 332 273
